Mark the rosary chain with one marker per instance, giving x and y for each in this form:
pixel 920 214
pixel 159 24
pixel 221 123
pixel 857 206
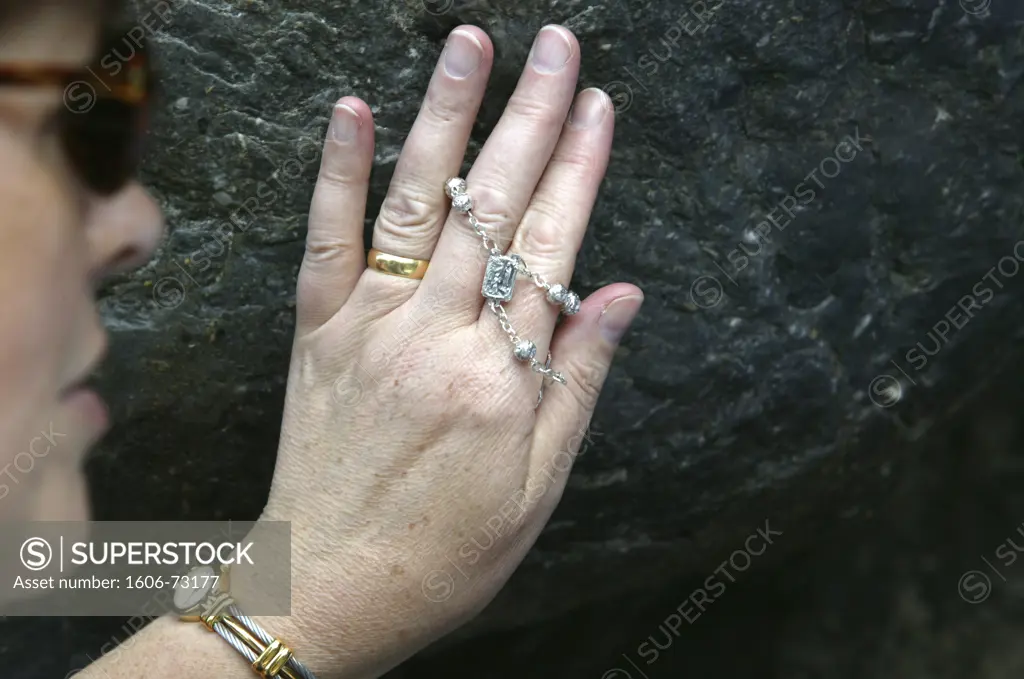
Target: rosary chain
pixel 506 325
pixel 496 307
pixel 489 245
pixel 535 277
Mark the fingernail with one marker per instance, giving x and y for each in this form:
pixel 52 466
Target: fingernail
pixel 590 108
pixel 462 54
pixel 617 317
pixel 345 123
pixel 551 50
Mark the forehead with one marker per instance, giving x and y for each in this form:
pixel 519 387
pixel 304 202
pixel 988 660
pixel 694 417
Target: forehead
pixel 50 31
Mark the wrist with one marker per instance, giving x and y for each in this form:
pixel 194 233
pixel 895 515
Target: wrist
pixel 334 629
pixel 317 623
pixel 311 635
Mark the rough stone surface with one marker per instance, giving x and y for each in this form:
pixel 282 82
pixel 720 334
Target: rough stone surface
pixel 745 391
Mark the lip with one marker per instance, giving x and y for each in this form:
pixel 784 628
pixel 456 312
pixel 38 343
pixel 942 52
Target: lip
pixel 79 395
pixel 90 406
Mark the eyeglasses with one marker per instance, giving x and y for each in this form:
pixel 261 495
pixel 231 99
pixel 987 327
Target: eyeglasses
pixel 106 108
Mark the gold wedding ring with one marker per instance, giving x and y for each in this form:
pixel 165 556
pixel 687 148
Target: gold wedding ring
pixel 393 265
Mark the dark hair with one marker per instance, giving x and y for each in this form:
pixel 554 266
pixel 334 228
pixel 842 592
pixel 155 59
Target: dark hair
pixel 11 10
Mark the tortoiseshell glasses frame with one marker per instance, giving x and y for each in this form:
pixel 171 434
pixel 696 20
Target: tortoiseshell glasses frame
pixel 105 111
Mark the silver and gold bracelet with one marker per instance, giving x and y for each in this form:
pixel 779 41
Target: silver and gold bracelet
pixel 268 656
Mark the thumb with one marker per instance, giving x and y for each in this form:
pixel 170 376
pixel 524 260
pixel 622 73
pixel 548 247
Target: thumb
pixel 583 349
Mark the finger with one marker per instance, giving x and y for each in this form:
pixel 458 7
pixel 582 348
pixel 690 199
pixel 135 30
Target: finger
pixel 583 349
pixel 511 164
pixel 555 222
pixel 335 257
pixel 415 207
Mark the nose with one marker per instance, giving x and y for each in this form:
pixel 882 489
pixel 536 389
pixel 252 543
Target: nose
pixel 123 230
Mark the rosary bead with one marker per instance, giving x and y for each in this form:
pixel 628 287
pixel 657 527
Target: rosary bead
pixel 455 186
pixel 525 350
pixel 571 305
pixel 557 293
pixel 462 202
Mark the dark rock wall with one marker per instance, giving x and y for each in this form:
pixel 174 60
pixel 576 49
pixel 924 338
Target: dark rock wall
pixel 806 191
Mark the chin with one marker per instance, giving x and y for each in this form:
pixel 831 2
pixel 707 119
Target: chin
pixel 63 496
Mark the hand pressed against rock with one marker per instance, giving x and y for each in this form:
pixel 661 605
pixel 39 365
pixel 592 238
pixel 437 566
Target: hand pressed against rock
pixel 413 465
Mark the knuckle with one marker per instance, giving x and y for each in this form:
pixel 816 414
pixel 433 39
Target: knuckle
pixel 323 251
pixel 586 380
pixel 323 248
pixel 339 170
pixel 578 158
pixel 491 204
pixel 332 175
pixel 406 213
pixel 444 108
pixel 532 109
pixel 542 232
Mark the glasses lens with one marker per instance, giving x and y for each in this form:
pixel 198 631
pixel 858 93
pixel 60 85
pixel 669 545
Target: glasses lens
pixel 104 137
pixel 102 144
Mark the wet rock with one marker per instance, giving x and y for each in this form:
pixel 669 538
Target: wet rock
pixel 821 201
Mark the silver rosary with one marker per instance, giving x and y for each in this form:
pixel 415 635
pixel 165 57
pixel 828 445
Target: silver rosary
pixel 500 281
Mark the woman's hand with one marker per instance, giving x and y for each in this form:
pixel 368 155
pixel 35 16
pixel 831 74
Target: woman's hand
pixel 413 466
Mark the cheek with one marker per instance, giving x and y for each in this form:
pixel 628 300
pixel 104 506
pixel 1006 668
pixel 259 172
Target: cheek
pixel 44 290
